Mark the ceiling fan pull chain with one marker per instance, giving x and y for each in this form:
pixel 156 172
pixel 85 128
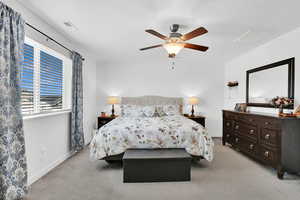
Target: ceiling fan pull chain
pixel 173 65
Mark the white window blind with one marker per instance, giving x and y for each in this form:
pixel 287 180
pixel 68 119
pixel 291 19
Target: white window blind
pixel 43 82
pixel 51 82
pixel 27 74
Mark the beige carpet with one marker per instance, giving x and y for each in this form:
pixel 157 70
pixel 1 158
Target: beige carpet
pixel 230 176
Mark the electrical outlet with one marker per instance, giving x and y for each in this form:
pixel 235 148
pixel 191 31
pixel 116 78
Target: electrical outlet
pixel 43 151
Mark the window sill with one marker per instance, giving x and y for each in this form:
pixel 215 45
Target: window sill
pixel 39 115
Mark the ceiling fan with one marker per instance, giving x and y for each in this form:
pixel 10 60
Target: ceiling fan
pixel 176 41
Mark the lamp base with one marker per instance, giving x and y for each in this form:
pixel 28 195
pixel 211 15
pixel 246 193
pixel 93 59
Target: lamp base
pixel 192 111
pixel 112 110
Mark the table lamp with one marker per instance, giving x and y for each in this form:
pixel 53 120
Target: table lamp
pixel 112 100
pixel 193 101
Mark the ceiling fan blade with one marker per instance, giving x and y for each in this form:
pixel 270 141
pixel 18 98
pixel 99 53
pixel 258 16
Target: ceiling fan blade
pixel 194 33
pixel 155 46
pixel 195 47
pixel 157 34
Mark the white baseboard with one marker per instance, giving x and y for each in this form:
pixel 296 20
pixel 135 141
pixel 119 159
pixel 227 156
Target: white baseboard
pixel 43 172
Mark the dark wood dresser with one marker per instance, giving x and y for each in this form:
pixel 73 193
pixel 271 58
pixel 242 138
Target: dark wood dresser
pixel 270 139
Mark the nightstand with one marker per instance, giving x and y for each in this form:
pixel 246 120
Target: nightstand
pixel 102 120
pixel 199 119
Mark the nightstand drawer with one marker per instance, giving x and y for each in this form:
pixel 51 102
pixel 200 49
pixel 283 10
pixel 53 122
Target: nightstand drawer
pixel 198 119
pixel 104 120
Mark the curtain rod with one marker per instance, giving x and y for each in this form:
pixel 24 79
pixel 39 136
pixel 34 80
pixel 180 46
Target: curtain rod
pixel 50 38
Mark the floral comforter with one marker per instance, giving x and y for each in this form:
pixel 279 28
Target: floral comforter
pixel 151 132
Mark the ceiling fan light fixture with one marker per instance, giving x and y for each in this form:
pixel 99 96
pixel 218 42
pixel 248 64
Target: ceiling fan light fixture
pixel 176 41
pixel 173 46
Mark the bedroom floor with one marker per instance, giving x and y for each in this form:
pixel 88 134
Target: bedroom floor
pixel 230 176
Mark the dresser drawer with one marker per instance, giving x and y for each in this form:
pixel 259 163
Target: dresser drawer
pixel 269 137
pixel 270 123
pixel 250 147
pixel 247 130
pixel 229 116
pixel 228 137
pixel 248 119
pixel 237 142
pixel 228 125
pixel 267 155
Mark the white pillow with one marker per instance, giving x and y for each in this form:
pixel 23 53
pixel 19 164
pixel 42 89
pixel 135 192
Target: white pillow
pixel 160 111
pixel 148 111
pixel 171 109
pixel 128 110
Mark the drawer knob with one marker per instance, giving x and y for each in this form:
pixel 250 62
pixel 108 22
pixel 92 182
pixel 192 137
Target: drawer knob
pixel 237 127
pixel 227 124
pixel 251 146
pixel 267 136
pixel 250 120
pixel 251 131
pixel 236 140
pixel 267 123
pixel 227 135
pixel 267 154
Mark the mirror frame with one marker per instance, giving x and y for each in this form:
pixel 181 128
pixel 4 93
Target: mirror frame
pixel 291 81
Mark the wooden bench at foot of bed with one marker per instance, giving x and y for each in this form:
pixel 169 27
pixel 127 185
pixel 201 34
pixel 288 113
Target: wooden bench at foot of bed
pixel 118 158
pixel 156 165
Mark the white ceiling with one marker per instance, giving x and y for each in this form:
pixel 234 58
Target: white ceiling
pixel 114 29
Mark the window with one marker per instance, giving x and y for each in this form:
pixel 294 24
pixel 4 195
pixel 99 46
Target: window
pixel 45 80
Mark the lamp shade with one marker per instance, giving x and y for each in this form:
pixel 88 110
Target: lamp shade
pixel 193 100
pixel 113 100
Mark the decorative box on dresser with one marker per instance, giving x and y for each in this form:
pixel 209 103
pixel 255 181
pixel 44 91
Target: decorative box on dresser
pixel 268 138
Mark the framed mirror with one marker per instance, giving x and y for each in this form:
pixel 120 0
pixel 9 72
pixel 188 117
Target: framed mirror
pixel 269 81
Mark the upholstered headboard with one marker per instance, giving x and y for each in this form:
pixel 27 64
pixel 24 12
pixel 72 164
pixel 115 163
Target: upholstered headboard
pixel 153 100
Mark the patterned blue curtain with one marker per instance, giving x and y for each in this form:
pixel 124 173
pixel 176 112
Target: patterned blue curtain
pixel 77 136
pixel 13 169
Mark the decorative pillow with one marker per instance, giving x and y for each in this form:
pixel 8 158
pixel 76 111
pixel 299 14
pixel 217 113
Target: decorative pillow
pixel 128 110
pixel 160 111
pixel 148 111
pixel 171 109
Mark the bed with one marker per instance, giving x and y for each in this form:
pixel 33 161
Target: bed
pixel 151 122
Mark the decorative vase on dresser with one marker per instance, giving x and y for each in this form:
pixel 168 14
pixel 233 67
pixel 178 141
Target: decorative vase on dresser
pixel 270 139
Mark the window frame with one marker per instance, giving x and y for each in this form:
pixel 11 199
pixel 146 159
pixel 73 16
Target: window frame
pixel 67 81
